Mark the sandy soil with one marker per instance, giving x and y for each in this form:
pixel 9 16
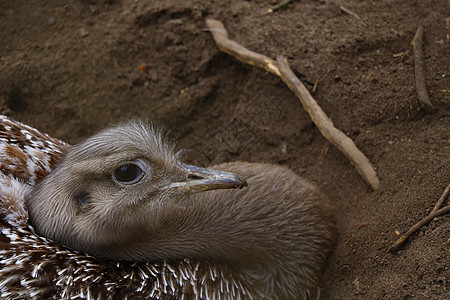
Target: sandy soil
pixel 70 68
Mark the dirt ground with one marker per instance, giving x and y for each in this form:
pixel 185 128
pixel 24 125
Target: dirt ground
pixel 70 68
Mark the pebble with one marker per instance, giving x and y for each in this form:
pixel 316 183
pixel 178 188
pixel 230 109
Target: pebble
pixel 83 32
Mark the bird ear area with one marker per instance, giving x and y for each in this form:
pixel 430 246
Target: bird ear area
pixel 83 199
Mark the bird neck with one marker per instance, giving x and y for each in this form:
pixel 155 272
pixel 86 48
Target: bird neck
pixel 216 226
pixel 210 227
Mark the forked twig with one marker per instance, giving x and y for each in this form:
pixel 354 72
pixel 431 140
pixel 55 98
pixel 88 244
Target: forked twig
pixel 436 212
pixel 232 48
pixel 281 68
pixel 419 69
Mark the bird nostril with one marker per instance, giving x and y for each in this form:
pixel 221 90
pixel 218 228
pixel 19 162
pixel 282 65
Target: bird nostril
pixel 194 177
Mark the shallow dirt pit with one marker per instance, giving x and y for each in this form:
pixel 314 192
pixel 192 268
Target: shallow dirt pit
pixel 70 68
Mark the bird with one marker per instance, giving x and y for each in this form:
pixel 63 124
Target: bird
pixel 120 216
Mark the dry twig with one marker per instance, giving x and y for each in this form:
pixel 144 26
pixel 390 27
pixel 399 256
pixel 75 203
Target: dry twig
pixel 282 69
pixel 241 53
pixel 324 152
pixel 348 11
pixel 421 88
pixel 436 212
pixel 315 85
pixel 279 5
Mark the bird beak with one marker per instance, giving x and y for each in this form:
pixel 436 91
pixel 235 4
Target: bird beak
pixel 200 180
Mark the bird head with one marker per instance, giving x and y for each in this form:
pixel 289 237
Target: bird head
pixel 114 188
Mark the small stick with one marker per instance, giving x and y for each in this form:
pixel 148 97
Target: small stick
pixel 436 212
pixel 315 86
pixel 324 124
pixel 282 69
pixel 348 11
pixel 421 88
pixel 324 152
pixel 232 48
pixel 279 5
pixel 442 199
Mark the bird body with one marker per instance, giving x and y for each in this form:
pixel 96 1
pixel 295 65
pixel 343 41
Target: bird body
pixel 118 216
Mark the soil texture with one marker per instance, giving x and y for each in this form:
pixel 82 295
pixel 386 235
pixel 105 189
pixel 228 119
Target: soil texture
pixel 70 68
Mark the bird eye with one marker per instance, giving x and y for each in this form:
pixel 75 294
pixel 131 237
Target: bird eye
pixel 130 172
